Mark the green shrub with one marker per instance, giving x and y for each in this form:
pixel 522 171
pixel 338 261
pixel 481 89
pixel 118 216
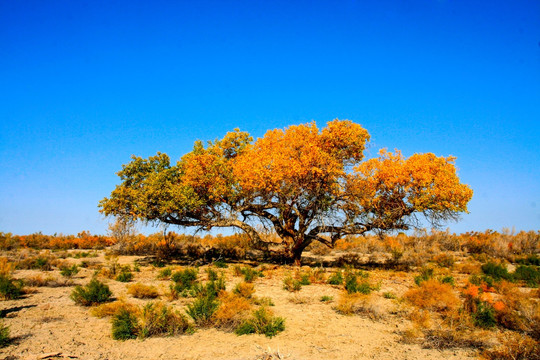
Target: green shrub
pixel 185 279
pixel 261 322
pixel 69 271
pixel 250 274
pixel 124 325
pixel 336 278
pixel 484 316
pixel 425 274
pixel 389 295
pixel 159 319
pixel 95 292
pixel 210 288
pixel 353 286
pixel 304 279
pixel 448 279
pixel 43 263
pixel 10 288
pixel 291 284
pixel 529 274
pixel 212 274
pixel 220 264
pixel 202 309
pixel 164 273
pixel 124 276
pixel 326 298
pixel 497 271
pixel 530 260
pixel 4 335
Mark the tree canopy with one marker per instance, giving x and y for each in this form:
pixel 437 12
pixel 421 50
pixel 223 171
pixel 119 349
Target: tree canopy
pixel 304 183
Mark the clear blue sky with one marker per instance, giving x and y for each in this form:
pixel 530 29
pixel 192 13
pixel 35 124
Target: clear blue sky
pixel 83 85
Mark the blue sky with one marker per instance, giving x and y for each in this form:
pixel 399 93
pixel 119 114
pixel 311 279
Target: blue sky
pixel 83 85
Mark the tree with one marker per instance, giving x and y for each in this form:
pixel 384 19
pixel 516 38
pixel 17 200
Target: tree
pixel 304 183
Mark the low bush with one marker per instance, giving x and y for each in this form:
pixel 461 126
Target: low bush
pixel 232 310
pixel 433 295
pixel 532 259
pixel 160 319
pixel 336 278
pixel 124 276
pixel 184 279
pixel 142 291
pixel 425 274
pixel 165 273
pixel 202 309
pixel 10 288
pixel 220 264
pixel 125 325
pixel 326 298
pixel 95 292
pixel 262 322
pixel 69 271
pixel 291 284
pixel 496 271
pixel 4 335
pixel 444 260
pixel 529 274
pixel 112 308
pixel 359 304
pixel 250 274
pixel 352 285
pixel 514 347
pixel 484 315
pixel 244 289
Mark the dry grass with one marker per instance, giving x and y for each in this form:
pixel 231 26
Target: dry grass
pixel 232 311
pixel 110 309
pixel 244 289
pixel 141 291
pixel 359 304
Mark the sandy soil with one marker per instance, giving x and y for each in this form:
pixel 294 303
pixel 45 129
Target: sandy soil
pixel 48 324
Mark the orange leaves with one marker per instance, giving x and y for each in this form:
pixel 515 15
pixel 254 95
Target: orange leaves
pixel 300 159
pixel 423 182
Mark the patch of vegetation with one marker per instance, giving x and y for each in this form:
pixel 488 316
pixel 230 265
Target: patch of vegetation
pixel 529 274
pixel 244 289
pixel 484 316
pixel 124 276
pixel 220 264
pixel 250 274
pixel 326 298
pixel 426 273
pixel 4 335
pixel 291 284
pixel 95 292
pixel 352 285
pixel 184 279
pixel 336 278
pixel 262 322
pixel 69 271
pixel 165 273
pixel 497 272
pixel 202 309
pixel 141 291
pixel 125 325
pixel 10 288
pixel 160 319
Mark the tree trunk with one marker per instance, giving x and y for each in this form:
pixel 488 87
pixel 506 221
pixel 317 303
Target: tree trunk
pixel 296 255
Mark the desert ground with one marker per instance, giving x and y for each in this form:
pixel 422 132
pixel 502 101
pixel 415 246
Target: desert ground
pixel 321 320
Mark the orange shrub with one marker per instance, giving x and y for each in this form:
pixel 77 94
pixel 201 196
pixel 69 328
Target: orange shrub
pixel 433 295
pixel 232 310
